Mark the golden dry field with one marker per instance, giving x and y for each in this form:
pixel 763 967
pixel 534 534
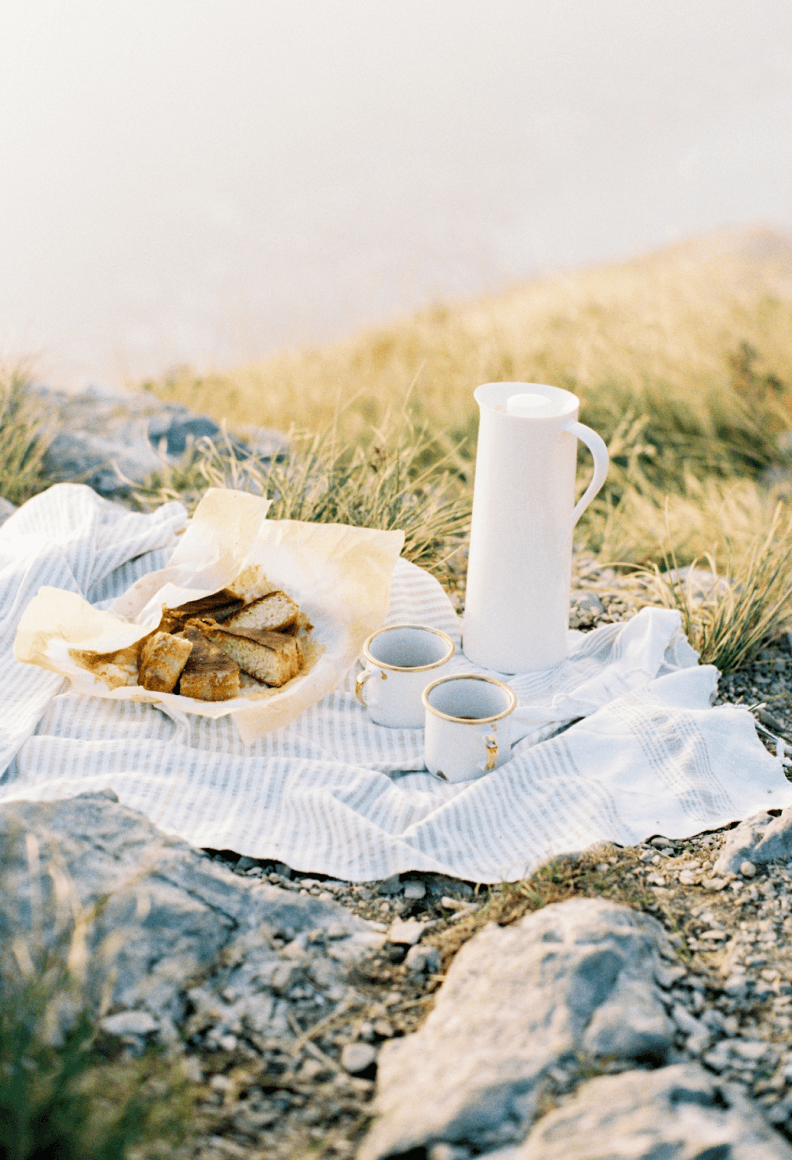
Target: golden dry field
pixel 682 359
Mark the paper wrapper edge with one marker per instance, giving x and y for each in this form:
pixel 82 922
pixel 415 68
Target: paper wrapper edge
pixel 339 575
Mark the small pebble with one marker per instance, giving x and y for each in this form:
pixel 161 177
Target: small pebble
pixel 406 931
pixel 747 869
pixel 357 1057
pixel 750 1049
pixel 422 960
pixel 392 885
pixel 454 903
pixel 130 1023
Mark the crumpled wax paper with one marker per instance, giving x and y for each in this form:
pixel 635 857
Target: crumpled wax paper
pixel 339 576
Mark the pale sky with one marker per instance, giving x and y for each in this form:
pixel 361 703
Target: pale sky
pixel 201 181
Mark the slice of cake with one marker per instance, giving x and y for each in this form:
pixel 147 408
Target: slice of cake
pixel 276 612
pixel 162 659
pixel 210 674
pixel 271 657
pixel 219 605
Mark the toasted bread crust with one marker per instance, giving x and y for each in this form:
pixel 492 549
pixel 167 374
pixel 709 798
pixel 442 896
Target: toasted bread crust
pixel 162 660
pixel 210 674
pixel 219 605
pixel 271 657
pixel 276 611
pixel 224 635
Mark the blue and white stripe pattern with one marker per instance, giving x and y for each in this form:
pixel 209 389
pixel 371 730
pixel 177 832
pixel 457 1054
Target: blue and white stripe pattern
pixel 618 742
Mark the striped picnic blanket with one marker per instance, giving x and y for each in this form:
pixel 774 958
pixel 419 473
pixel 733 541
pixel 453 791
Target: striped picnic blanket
pixel 616 743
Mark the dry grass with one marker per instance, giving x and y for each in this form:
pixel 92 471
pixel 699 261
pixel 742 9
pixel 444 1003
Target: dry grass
pixel 681 360
pixel 751 604
pixel 602 872
pixel 397 479
pixel 699 331
pixel 24 435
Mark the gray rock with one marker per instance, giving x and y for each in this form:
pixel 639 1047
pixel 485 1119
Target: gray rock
pixel 688 1024
pixel 406 931
pixel 573 978
pixel 392 885
pixel 503 1154
pixel 112 439
pixel 452 1152
pixel 676 1113
pixel 156 920
pixel 761 838
pixel 172 433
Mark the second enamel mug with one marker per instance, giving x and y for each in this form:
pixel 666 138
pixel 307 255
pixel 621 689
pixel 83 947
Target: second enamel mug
pixel 400 661
pixel 468 725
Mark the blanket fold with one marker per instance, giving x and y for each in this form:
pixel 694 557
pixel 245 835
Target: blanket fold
pixel 618 742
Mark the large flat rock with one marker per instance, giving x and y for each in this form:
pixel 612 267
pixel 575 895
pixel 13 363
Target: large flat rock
pixel 113 439
pixel 162 928
pixel 675 1113
pixel 574 979
pixel 761 838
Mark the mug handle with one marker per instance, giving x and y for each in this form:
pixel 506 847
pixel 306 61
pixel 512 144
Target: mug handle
pixel 360 681
pixel 599 451
pixel 491 742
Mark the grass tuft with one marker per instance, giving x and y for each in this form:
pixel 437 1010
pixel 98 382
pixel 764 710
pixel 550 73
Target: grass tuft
pixel 602 872
pixel 398 478
pixel 67 1090
pixel 24 437
pixel 748 606
pixel 64 1094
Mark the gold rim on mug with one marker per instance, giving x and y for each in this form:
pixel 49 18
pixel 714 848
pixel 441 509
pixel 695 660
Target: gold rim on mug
pixel 408 668
pixel 468 677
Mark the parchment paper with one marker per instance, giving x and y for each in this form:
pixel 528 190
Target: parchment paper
pixel 339 575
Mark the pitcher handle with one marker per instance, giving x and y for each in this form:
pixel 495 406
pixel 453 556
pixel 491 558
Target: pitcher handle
pixel 601 462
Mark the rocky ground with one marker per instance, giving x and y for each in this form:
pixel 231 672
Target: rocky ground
pixel 727 989
pixel 668 1007
pixel 306 1014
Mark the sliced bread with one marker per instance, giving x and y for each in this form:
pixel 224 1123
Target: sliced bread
pixel 271 657
pixel 162 659
pixel 276 612
pixel 219 605
pixel 210 674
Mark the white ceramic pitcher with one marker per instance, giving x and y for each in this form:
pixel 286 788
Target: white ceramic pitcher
pixel 519 568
